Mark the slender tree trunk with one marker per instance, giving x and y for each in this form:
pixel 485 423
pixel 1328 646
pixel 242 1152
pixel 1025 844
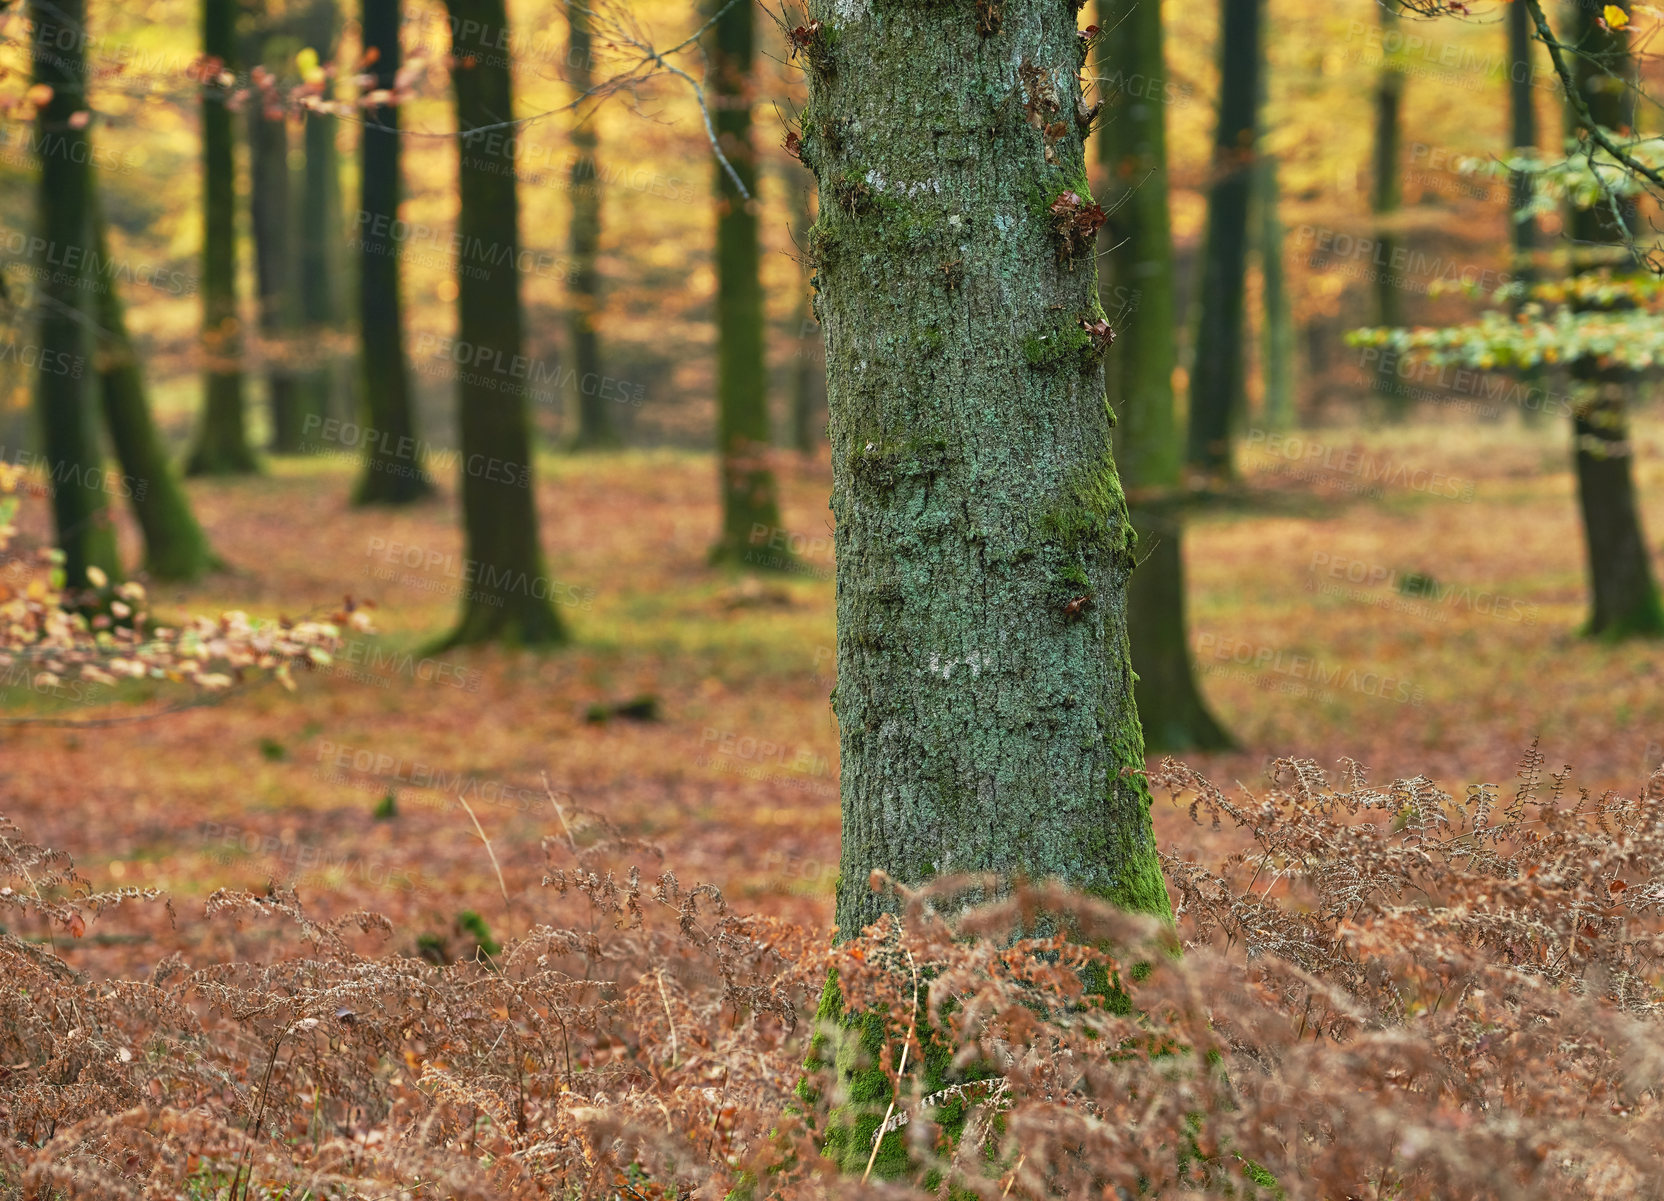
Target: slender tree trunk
pixel 321 309
pixel 985 694
pixel 74 462
pixel 1522 123
pixel 748 491
pixel 1386 198
pixel 1218 396
pixel 1137 280
pixel 393 472
pixel 175 547
pixel 1279 312
pixel 808 373
pixel 269 222
pixel 583 295
pixel 1624 598
pixel 221 446
pixel 508 600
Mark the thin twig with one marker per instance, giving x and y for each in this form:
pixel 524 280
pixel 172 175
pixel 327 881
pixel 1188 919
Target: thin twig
pixel 906 1046
pixel 495 866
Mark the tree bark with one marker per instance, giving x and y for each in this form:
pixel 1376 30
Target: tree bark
pixel 321 307
pixel 221 446
pixel 1624 600
pixel 508 600
pixel 1522 123
pixel 393 472
pixel 985 693
pixel 1218 396
pixel 596 429
pixel 1386 198
pixel 1279 312
pixel 269 223
pixel 749 499
pixel 75 465
pixel 1136 287
pixel 808 372
pixel 175 548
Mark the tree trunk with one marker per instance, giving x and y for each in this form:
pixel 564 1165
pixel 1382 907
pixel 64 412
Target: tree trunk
pixel 269 223
pixel 393 470
pixel 508 600
pixel 1522 123
pixel 175 547
pixel 1218 396
pixel 321 309
pixel 1386 198
pixel 985 693
pixel 1136 287
pixel 221 446
pixel 1279 312
pixel 583 295
pixel 808 372
pixel 74 462
pixel 1624 598
pixel 748 492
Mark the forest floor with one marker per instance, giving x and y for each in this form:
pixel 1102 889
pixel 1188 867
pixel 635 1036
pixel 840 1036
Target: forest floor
pixel 1413 606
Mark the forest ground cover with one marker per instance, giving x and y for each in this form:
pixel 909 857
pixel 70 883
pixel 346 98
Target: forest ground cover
pixel 1355 605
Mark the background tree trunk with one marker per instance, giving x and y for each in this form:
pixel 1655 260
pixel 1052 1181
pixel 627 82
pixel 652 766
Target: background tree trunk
pixel 75 464
pixel 508 601
pixel 1624 598
pixel 1136 286
pixel 221 446
pixel 269 222
pixel 1278 334
pixel 748 489
pixel 1218 397
pixel 321 309
pixel 1386 198
pixel 1522 124
pixel 393 470
pixel 596 428
pixel 985 695
pixel 175 547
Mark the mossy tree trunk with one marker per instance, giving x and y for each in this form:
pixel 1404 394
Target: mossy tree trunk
pixel 508 600
pixel 1386 198
pixel 984 702
pixel 808 374
pixel 1624 598
pixel 69 437
pixel 1137 289
pixel 221 446
pixel 321 307
pixel 595 426
pixel 1218 395
pixel 391 475
pixel 175 548
pixel 748 488
pixel 1278 335
pixel 270 224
